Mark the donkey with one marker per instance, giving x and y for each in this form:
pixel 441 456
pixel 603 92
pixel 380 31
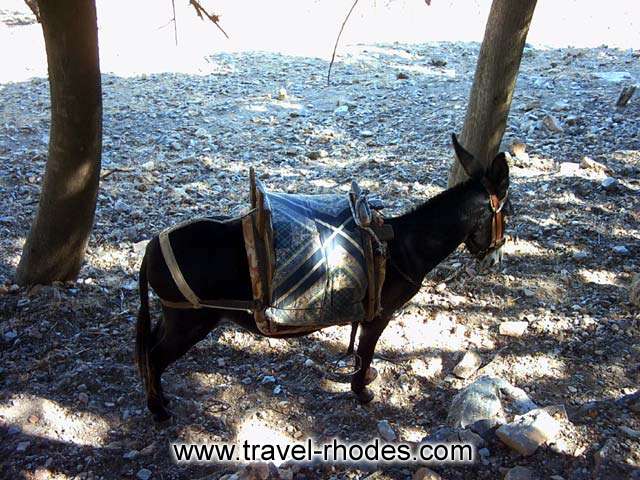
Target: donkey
pixel 213 260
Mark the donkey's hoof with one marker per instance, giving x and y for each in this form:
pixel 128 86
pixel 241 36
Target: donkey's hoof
pixel 365 396
pixel 370 376
pixel 162 417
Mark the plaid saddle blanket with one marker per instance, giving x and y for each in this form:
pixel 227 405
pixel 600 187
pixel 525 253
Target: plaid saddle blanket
pixel 320 267
pixel 314 260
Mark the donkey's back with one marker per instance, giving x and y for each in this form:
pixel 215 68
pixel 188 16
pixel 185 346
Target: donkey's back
pixel 212 259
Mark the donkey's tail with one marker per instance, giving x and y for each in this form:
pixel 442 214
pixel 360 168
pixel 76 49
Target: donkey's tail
pixel 143 327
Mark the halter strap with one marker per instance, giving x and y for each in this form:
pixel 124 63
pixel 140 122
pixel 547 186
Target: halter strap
pixel 497 221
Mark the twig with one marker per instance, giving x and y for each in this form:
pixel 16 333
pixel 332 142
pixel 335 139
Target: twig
pixel 200 10
pixel 388 359
pixel 112 171
pixel 175 23
pixel 335 47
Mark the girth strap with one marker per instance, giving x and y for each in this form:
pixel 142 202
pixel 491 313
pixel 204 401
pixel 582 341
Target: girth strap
pixel 242 305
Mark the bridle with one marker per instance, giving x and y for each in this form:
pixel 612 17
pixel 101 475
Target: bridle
pixel 497 221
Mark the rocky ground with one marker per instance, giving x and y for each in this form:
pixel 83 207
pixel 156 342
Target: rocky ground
pixel 179 146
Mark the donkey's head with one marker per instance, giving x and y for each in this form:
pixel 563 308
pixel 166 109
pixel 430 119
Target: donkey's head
pixel 487 237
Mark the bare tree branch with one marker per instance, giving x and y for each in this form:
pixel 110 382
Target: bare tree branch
pixel 202 12
pixel 333 56
pixel 175 23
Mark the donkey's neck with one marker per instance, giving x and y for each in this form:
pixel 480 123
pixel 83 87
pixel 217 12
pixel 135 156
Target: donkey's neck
pixel 428 234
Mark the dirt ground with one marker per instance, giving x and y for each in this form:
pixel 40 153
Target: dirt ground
pixel 179 146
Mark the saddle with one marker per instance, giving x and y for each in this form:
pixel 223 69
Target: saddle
pixel 314 260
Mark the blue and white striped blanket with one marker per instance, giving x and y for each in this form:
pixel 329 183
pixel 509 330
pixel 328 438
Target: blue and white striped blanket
pixel 320 268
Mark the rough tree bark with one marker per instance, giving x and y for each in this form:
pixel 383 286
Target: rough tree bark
pixel 494 81
pixel 56 244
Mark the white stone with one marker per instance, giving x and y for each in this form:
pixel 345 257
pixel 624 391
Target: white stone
pixel 470 362
pixel 630 432
pixel 560 105
pixel 569 169
pixel 513 329
pixel 519 473
pixel 552 124
pixel 527 432
pixel 22 446
pixel 634 292
pixel 386 432
pixel 609 183
pixel 580 255
pixel 425 473
pixel 589 163
pixel 144 474
pixel 10 335
pixel 130 455
pixel 341 111
pixel 615 77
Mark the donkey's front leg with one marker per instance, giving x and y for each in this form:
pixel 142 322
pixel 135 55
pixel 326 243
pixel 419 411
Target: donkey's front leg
pixel 352 337
pixel 369 335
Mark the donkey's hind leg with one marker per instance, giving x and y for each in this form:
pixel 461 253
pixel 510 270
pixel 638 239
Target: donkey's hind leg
pixel 178 332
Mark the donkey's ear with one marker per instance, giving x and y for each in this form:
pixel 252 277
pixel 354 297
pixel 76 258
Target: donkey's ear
pixel 471 167
pixel 498 175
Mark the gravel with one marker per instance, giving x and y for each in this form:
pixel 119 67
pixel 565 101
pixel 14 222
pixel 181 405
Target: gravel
pixel 179 146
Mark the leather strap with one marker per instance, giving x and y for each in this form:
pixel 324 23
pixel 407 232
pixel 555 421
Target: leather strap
pixel 497 221
pixel 176 274
pixel 243 305
pixel 192 300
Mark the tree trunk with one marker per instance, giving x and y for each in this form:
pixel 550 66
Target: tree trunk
pixel 56 244
pixel 33 6
pixel 494 81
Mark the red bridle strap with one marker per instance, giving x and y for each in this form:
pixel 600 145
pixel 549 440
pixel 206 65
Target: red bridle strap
pixel 497 221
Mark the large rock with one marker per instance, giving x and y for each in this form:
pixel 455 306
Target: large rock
pixel 479 401
pixel 527 432
pixel 482 401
